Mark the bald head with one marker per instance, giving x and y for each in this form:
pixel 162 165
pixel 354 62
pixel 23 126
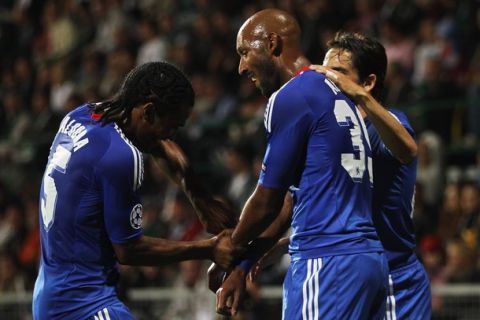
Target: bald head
pixel 268 44
pixel 272 21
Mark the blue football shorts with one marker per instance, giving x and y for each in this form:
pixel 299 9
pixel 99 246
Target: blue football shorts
pixel 116 311
pixel 409 295
pixel 336 287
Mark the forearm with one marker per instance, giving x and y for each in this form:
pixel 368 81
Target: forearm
pixel 393 134
pixel 155 251
pixel 260 211
pixel 273 233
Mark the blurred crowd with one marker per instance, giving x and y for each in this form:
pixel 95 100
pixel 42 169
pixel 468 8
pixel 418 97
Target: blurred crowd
pixel 58 54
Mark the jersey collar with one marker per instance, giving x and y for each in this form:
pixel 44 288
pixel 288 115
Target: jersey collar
pixel 301 70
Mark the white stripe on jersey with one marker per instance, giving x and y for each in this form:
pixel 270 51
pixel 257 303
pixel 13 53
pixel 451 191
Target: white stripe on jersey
pixel 267 120
pixel 268 112
pixel 100 315
pixel 137 160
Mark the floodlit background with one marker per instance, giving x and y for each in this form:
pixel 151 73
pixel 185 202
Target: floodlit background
pixel 56 55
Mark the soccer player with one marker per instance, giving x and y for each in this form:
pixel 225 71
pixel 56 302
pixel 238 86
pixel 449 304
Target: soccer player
pixel 91 215
pixel 317 147
pixel 357 65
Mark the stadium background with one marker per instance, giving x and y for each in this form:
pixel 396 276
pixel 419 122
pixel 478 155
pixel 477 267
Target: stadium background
pixel 58 54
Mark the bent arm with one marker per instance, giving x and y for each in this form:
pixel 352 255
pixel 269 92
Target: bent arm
pixel 260 211
pixel 392 132
pixel 273 233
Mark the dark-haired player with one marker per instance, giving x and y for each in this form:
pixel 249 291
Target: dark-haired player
pixel 358 64
pixel 91 215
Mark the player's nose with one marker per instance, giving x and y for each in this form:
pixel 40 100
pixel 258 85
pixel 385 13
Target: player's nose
pixel 242 67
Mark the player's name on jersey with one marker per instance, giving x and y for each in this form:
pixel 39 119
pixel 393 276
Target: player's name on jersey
pixel 76 131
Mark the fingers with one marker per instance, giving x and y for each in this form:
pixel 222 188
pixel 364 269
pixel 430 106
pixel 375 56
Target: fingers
pixel 237 296
pixel 222 298
pixel 254 272
pixel 329 73
pixel 318 68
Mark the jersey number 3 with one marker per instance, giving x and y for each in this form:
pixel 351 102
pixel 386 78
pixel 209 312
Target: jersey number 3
pixel 58 162
pixel 354 164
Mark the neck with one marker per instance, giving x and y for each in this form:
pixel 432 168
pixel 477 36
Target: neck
pixel 292 64
pixel 129 132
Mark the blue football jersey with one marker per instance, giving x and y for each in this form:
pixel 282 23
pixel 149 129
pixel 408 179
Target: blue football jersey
pixel 88 200
pixel 393 197
pixel 318 146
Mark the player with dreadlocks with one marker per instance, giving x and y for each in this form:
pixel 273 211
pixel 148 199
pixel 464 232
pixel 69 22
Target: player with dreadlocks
pixel 90 211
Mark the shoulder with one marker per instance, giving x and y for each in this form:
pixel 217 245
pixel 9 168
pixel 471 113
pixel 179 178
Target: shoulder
pixel 121 157
pixel 301 97
pixel 402 118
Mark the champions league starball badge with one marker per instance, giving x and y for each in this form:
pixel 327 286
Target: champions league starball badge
pixel 136 216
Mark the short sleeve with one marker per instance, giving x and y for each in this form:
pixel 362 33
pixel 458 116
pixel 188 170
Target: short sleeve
pixel 118 171
pixel 402 118
pixel 288 122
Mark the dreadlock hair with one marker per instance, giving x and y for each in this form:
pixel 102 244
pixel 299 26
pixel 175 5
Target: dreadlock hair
pixel 161 83
pixel 368 57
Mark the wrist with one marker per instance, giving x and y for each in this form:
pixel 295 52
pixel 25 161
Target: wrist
pixel 245 265
pixel 362 96
pixel 240 271
pixel 210 245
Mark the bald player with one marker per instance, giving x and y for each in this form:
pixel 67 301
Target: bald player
pixel 318 148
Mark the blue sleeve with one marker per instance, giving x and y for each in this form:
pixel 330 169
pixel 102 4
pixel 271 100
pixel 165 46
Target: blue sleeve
pixel 122 209
pixel 402 118
pixel 288 121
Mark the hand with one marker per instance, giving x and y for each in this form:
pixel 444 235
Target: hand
pixel 269 258
pixel 215 277
pixel 224 252
pixel 342 81
pixel 231 293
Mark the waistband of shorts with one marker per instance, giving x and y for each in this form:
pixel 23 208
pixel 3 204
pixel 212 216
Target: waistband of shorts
pixel 407 265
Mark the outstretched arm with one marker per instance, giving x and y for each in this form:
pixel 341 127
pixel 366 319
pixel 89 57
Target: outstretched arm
pixel 156 251
pixel 214 214
pixel 394 135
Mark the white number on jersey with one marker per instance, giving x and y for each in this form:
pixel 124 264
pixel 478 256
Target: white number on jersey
pixel 58 162
pixel 355 167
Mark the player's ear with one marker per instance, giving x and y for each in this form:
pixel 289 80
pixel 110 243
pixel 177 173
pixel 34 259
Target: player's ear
pixel 149 112
pixel 369 82
pixel 274 44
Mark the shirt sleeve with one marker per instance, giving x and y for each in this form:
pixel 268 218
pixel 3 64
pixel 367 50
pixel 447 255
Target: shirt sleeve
pixel 402 118
pixel 121 204
pixel 288 120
